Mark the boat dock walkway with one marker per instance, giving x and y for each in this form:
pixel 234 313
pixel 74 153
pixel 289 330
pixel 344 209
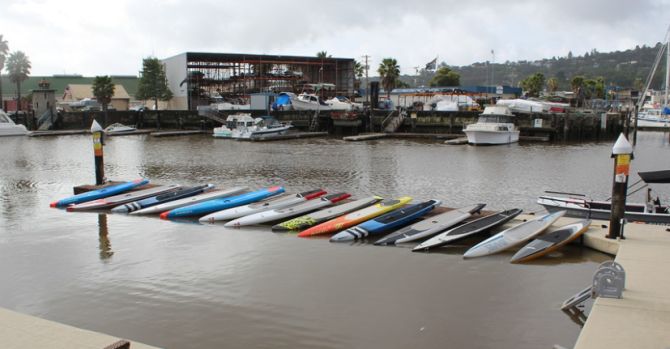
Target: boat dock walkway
pixel 641 319
pixel 57 133
pixel 20 331
pixel 371 136
pixel 295 135
pixel 179 133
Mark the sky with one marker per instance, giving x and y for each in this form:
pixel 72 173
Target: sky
pixel 100 37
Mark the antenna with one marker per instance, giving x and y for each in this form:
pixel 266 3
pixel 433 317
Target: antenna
pixel 367 87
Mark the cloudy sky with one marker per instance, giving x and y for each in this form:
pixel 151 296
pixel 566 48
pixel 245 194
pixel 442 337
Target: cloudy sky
pixel 100 37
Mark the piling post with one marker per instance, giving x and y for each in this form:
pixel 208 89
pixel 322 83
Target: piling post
pixel 622 152
pixel 98 142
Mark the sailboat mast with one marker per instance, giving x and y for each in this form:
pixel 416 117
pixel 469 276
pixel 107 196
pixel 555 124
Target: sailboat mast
pixel 667 71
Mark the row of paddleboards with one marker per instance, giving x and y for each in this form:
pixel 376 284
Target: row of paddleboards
pixel 316 213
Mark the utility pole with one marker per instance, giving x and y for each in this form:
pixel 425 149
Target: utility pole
pixel 416 70
pixel 367 86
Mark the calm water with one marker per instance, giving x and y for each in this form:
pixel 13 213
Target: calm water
pixel 180 285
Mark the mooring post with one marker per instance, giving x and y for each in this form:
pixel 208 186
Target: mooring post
pixel 622 152
pixel 98 142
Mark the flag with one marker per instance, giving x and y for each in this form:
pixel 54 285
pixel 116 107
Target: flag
pixel 432 64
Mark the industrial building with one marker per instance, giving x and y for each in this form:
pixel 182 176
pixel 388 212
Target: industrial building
pixel 197 78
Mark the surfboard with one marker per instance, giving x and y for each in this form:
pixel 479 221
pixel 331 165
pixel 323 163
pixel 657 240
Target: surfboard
pixel 353 218
pixel 551 241
pixel 513 236
pixel 430 226
pixel 281 213
pixel 386 222
pixel 314 218
pixel 468 229
pixel 278 201
pixel 119 199
pixel 221 203
pixel 209 195
pixel 100 193
pixel 177 194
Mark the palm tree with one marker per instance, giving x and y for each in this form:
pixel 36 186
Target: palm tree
pixel 323 54
pixel 103 90
pixel 552 85
pixel 18 67
pixel 389 71
pixel 358 69
pixel 4 50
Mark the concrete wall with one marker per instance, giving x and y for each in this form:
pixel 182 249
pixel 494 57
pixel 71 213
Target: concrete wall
pixel 175 71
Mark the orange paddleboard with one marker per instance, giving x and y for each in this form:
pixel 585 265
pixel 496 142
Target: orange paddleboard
pixel 343 222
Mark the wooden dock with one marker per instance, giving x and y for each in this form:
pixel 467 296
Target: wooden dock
pixel 365 137
pixel 293 135
pixel 131 133
pixel 57 133
pixel 179 133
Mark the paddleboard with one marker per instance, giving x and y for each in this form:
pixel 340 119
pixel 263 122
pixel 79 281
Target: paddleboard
pixel 430 226
pixel 515 235
pixel 210 195
pixel 279 201
pixel 277 214
pixel 119 199
pixel 551 241
pixel 222 203
pixel 468 229
pixel 353 218
pixel 314 218
pixel 176 194
pixel 99 193
pixel 386 222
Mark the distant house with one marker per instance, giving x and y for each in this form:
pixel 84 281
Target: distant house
pixel 78 92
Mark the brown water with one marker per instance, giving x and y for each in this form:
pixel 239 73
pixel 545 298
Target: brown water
pixel 180 285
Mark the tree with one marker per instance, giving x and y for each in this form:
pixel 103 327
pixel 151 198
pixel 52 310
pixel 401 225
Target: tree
pixel 389 71
pixel 18 68
pixel 444 76
pixel 103 90
pixel 359 70
pixel 552 85
pixel 153 82
pixel 4 50
pixel 323 54
pixel 576 83
pixel 533 84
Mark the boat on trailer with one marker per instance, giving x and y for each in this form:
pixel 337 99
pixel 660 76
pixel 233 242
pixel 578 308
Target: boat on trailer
pixel 580 206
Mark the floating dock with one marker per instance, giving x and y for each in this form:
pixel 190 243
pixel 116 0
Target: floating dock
pixel 365 137
pixel 296 135
pixel 20 331
pixel 131 133
pixel 179 133
pixel 641 319
pixel 57 133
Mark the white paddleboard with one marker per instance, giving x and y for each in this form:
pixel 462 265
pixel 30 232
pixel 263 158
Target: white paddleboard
pixel 210 195
pixel 513 236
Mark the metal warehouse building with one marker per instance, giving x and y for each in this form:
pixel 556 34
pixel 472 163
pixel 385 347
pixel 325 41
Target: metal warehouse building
pixel 197 78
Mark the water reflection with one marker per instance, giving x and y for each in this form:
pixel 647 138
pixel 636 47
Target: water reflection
pixel 103 233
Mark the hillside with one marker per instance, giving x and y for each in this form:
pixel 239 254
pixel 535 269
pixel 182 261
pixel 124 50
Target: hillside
pixel 619 68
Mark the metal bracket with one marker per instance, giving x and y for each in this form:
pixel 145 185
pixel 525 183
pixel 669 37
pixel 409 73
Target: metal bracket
pixel 609 280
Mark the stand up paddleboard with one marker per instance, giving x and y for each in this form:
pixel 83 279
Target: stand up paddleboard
pixel 551 241
pixel 314 218
pixel 99 193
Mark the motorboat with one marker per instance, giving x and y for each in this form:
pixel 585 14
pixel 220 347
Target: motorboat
pixel 9 128
pixel 343 103
pixel 241 120
pixel 308 101
pixel 494 126
pixel 117 128
pixel 653 117
pixel 451 102
pixel 524 105
pixel 264 126
pixel 284 101
pixel 581 206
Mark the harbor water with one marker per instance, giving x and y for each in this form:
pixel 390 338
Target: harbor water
pixel 189 285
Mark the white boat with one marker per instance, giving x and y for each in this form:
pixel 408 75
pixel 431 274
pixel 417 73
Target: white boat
pixel 653 117
pixel 117 128
pixel 264 126
pixel 308 101
pixel 524 105
pixel 494 126
pixel 9 128
pixel 343 103
pixel 232 122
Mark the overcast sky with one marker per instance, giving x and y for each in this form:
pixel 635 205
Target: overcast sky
pixel 92 37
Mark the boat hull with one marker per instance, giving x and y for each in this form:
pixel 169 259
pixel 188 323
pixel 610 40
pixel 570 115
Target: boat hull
pixel 492 137
pixel 580 208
